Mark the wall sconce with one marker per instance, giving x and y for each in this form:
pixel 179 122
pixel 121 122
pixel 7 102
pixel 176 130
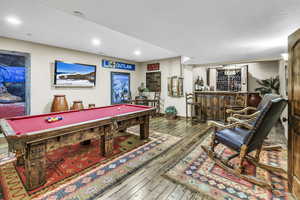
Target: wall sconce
pixel 285 56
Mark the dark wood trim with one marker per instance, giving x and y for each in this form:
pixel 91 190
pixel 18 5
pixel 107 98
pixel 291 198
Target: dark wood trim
pixel 293 123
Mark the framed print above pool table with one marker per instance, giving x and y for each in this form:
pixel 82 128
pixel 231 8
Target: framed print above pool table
pixel 120 87
pixel 74 75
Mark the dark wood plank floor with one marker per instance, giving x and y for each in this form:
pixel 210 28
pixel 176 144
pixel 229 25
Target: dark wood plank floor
pixel 148 183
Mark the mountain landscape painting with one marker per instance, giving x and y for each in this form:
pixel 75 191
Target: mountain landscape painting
pixel 67 74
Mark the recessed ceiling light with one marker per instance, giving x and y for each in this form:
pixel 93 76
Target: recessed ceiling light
pixel 13 20
pixel 96 42
pixel 78 13
pixel 137 52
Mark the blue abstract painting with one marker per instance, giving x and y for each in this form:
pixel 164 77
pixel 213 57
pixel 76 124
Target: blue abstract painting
pixel 120 87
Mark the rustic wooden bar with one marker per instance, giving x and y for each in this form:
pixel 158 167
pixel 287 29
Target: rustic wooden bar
pixel 31 148
pixel 212 105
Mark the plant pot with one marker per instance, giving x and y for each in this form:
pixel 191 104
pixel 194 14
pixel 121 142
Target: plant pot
pixel 171 117
pixel 141 97
pixel 254 99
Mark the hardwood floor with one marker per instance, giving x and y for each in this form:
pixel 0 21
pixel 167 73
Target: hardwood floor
pixel 148 183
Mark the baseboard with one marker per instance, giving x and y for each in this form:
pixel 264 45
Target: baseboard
pixel 164 115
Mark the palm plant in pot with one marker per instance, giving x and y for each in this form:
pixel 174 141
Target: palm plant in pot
pixel 171 112
pixel 270 85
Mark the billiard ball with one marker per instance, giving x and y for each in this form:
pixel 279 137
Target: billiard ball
pixel 54 119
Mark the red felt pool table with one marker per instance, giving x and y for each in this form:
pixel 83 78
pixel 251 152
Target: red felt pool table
pixel 31 137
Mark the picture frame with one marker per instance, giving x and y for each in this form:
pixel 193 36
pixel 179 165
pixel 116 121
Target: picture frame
pixel 120 87
pixel 153 81
pixel 170 93
pixel 74 74
pixel 175 86
pixel 14 83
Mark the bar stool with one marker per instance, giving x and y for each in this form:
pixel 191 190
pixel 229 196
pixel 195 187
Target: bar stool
pixel 190 101
pixel 156 102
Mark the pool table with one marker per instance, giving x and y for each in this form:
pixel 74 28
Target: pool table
pixel 31 137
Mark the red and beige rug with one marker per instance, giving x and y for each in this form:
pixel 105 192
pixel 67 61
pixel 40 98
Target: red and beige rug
pixel 68 161
pixel 82 175
pixel 199 173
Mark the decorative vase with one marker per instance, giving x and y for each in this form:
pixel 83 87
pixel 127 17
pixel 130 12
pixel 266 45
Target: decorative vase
pixel 77 105
pixel 254 99
pixel 59 103
pixel 170 117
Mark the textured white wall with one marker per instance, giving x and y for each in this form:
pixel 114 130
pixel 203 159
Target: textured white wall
pixel 42 64
pixel 171 67
pixel 259 71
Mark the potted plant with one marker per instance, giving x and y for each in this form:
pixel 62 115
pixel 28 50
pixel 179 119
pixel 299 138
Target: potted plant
pixel 171 112
pixel 141 90
pixel 270 85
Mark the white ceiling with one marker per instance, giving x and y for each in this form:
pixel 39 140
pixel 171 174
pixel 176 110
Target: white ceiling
pixel 208 31
pixel 54 27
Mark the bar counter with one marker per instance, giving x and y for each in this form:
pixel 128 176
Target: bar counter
pixel 212 105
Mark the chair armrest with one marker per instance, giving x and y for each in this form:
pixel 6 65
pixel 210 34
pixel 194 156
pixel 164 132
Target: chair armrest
pixel 244 110
pixel 243 123
pixel 253 115
pixel 233 119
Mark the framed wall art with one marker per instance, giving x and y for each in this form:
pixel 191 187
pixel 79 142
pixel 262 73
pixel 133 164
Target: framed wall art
pixel 74 75
pixel 175 86
pixel 14 84
pixel 120 87
pixel 153 81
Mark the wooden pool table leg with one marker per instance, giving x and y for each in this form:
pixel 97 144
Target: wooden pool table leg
pixel 107 140
pixel 35 165
pixel 144 128
pixel 20 158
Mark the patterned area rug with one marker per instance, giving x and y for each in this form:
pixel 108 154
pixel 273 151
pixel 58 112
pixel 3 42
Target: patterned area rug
pixel 87 184
pixel 199 173
pixel 70 160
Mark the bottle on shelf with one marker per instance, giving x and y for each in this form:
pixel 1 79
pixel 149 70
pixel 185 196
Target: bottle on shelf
pixel 196 84
pixel 199 84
